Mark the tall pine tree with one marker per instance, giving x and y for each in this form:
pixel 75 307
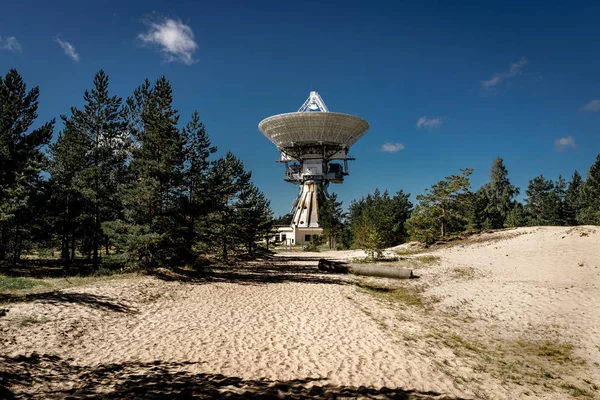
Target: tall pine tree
pixel 196 172
pixel 22 158
pixel 590 196
pixel 104 133
pixel 498 195
pixel 153 225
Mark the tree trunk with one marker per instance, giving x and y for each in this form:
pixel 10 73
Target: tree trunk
pixel 16 246
pixel 72 246
pixel 64 246
pixel 96 239
pixel 2 243
pixel 443 222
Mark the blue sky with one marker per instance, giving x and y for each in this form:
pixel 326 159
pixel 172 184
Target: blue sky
pixel 520 80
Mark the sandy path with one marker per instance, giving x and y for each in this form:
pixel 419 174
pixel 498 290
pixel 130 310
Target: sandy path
pixel 275 331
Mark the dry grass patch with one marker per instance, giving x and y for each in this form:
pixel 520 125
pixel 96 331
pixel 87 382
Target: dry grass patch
pixel 465 273
pixel 540 365
pixel 407 252
pixel 427 260
pixel 411 296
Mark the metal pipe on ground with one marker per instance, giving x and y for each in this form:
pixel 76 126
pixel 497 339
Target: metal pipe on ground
pixel 365 270
pixel 381 271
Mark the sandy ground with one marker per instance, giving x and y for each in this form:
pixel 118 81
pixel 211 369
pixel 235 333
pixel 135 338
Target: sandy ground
pixel 505 315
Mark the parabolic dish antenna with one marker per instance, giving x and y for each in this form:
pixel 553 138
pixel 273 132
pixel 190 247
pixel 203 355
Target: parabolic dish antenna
pixel 313 128
pixel 314 146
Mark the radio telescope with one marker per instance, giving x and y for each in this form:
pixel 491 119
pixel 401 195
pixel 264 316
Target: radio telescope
pixel 314 145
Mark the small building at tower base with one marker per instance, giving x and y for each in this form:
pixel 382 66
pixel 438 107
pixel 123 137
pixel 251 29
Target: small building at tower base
pixel 293 235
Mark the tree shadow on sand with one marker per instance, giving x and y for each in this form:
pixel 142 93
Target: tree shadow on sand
pixel 50 377
pixel 87 299
pixel 45 268
pixel 263 271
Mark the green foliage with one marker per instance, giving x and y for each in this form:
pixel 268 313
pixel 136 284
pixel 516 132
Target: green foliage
pixel 573 199
pixel 495 198
pixel 22 159
pixel 95 143
pixel 240 213
pixel 422 225
pixel 384 214
pixel 314 245
pixel 331 218
pixel 516 216
pixel 367 236
pixel 589 210
pixel 16 283
pixel 444 208
pixel 542 202
pixel 283 220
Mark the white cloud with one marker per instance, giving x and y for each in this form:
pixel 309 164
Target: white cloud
pixel 593 105
pixel 429 123
pixel 10 43
pixel 174 39
pixel 68 48
pixel 499 77
pixel 392 147
pixel 564 143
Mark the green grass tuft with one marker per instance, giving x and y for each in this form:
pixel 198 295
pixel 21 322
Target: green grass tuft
pixel 9 283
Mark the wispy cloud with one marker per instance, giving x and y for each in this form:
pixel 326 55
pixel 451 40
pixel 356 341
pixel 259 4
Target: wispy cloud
pixel 429 123
pixel 173 38
pixel 10 43
pixel 492 84
pixel 564 143
pixel 593 105
pixel 392 147
pixel 68 48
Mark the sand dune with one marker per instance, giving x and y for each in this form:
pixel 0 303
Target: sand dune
pixel 481 325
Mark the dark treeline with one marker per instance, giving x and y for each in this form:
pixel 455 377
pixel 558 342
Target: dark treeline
pixel 450 207
pixel 125 182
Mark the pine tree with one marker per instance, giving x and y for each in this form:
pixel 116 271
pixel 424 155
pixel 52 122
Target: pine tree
pixel 21 160
pixel 541 201
pixel 255 217
pixel 153 225
pixel 443 206
pixel 590 196
pixel 561 211
pixel 367 237
pixel 227 182
pixel 573 199
pixel 67 163
pixel 331 218
pixel 105 138
pixel 517 216
pixel 388 214
pixel 498 195
pixel 197 150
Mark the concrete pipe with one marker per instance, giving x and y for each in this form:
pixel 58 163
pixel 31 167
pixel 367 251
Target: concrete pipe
pixel 367 270
pixel 381 271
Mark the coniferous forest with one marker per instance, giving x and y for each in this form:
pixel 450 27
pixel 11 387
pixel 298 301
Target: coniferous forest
pixel 130 182
pixel 126 182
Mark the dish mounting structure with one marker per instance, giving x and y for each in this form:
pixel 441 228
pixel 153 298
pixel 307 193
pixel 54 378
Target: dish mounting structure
pixel 314 145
